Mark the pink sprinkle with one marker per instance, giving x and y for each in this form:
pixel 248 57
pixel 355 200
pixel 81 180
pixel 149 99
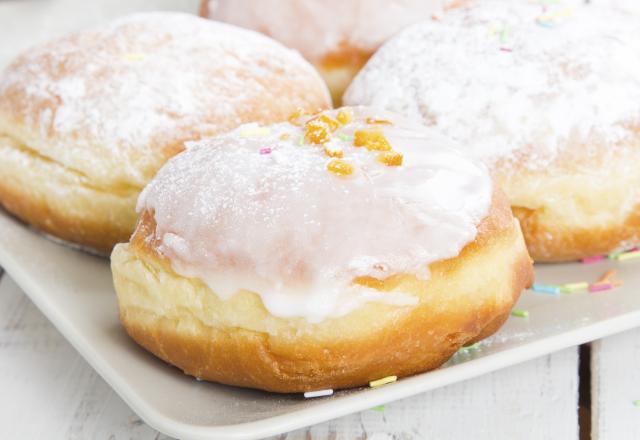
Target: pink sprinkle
pixel 506 49
pixel 599 287
pixel 592 259
pixel 265 150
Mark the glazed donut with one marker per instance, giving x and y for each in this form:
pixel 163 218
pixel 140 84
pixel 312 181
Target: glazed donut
pixel 337 36
pixel 548 98
pixel 87 120
pixel 323 253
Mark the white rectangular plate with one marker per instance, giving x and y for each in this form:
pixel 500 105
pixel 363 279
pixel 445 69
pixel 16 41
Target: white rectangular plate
pixel 74 290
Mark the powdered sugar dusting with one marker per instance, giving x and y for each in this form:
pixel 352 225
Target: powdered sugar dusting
pixel 506 78
pixel 133 90
pixel 282 225
pixel 319 28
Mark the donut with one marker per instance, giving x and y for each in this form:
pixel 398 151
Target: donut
pixel 547 97
pixel 336 36
pixel 325 252
pixel 626 6
pixel 86 120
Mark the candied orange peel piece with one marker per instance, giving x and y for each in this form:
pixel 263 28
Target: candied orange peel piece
pixel 374 121
pixel 317 132
pixel 319 129
pixel 372 140
pixel 340 167
pixel 331 123
pixel 345 115
pixel 333 151
pixel 390 158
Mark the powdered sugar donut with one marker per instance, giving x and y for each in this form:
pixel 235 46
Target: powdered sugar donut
pixel 86 120
pixel 547 96
pixel 626 6
pixel 337 36
pixel 323 253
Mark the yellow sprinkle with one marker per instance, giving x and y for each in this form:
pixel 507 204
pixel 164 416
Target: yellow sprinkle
pixel 340 167
pixel 133 56
pixel 573 287
pixel 374 121
pixel 255 132
pixel 371 140
pixel 390 158
pixel 345 115
pixel 383 381
pixel 284 136
pixel 333 151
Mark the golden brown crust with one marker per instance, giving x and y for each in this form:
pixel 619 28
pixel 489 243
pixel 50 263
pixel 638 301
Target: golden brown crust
pixel 237 342
pixel 550 242
pixel 585 202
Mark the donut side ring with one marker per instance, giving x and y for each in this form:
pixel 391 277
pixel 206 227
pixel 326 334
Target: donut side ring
pixel 237 342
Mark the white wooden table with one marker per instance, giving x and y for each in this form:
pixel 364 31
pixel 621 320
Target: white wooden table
pixel 48 391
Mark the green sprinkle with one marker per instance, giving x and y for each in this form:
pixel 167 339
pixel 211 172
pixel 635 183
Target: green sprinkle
pixel 301 141
pixel 345 137
pixel 520 313
pixel 379 408
pixel 628 256
pixel 636 403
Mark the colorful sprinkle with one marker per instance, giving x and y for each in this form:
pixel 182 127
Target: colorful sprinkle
pixel 593 259
pixel 600 287
pixel 319 393
pixel 608 276
pixel 628 256
pixel 266 150
pixel 520 313
pixel 383 381
pixel 255 132
pixel 379 408
pixel 574 287
pixel 543 288
pixel 345 137
pixel 636 403
pixel 506 49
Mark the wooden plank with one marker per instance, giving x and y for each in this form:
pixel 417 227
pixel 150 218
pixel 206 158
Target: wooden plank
pixel 48 390
pixel 55 394
pixel 615 377
pixel 537 399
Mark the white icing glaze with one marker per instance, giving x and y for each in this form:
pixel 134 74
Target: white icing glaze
pixel 281 225
pixel 134 87
pixel 512 78
pixel 317 28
